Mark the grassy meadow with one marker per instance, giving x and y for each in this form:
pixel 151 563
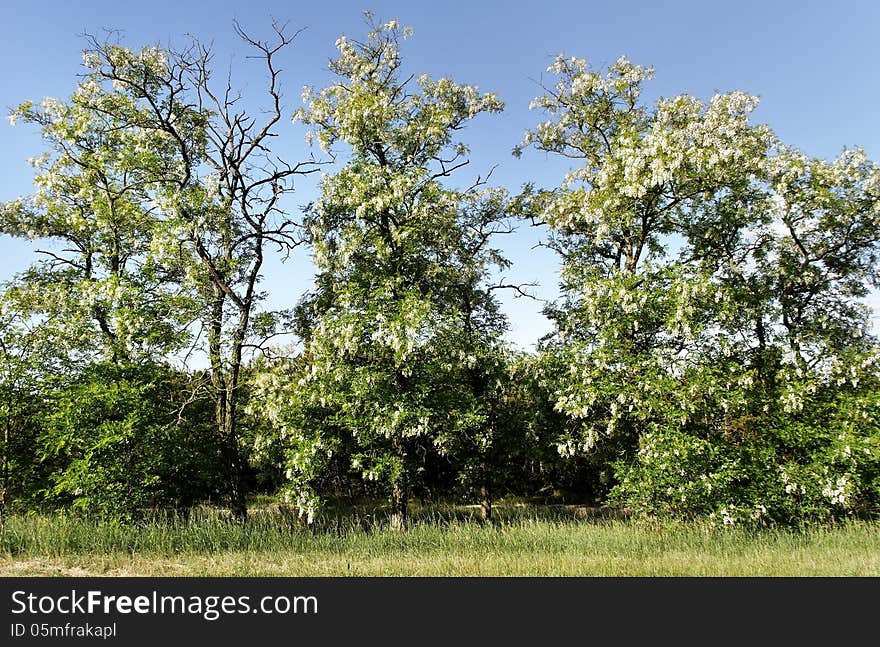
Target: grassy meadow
pixel 442 541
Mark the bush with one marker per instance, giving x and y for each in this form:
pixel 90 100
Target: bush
pixel 814 458
pixel 119 440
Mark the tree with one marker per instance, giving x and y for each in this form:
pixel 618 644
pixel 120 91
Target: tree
pixel 784 394
pixel 221 194
pixel 98 297
pixel 101 295
pixel 388 320
pixel 629 319
pixel 716 369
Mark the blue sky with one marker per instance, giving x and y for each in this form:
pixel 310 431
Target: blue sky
pixel 812 64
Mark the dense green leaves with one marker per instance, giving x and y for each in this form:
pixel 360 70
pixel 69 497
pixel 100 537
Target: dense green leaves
pixel 125 439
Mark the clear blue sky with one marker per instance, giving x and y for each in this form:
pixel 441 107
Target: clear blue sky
pixel 812 63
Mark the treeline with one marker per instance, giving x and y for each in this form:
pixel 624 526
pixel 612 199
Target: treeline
pixel 712 354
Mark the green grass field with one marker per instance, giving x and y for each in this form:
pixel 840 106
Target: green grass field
pixel 526 541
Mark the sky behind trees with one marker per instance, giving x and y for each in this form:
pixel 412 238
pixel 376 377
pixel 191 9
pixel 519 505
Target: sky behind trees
pixel 810 62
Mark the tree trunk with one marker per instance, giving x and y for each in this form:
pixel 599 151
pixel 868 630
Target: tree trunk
pixel 225 408
pixel 399 501
pixel 225 412
pixel 5 486
pixel 237 490
pixel 486 493
pixel 400 484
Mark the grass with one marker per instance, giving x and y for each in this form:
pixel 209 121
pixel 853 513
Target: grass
pixel 443 541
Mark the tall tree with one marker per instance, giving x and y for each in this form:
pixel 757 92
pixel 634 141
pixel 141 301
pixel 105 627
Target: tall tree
pixel 163 187
pixel 775 416
pixel 629 315
pixel 223 203
pixel 719 368
pixel 98 293
pixel 386 322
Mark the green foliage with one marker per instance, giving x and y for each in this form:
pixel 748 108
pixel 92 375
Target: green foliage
pixel 101 293
pixel 792 467
pixel 120 439
pixel 22 477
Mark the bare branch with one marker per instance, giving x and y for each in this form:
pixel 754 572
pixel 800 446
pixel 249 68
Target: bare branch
pixel 519 289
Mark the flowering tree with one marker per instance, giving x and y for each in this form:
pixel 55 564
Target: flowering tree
pixel 785 391
pixel 101 295
pixel 168 197
pixel 97 299
pixel 399 257
pixel 683 357
pixel 630 311
pixel 222 201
